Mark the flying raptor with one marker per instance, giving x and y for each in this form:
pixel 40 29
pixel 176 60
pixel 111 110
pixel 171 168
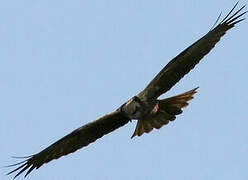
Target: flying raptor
pixel 149 111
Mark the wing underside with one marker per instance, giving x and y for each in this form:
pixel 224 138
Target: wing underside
pixel 167 77
pixel 186 60
pixel 72 142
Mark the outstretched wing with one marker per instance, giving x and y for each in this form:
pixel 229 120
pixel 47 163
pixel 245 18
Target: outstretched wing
pixel 77 139
pixel 185 61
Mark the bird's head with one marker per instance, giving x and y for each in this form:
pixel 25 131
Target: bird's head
pixel 132 108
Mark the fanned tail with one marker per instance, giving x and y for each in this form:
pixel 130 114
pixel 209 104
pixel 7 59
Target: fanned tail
pixel 165 111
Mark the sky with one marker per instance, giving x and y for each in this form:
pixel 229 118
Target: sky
pixel 66 63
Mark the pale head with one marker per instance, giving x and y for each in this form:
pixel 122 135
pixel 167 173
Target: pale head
pixel 133 108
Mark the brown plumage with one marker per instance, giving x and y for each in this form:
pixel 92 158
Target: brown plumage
pixel 164 112
pixel 186 60
pixel 150 112
pixel 72 142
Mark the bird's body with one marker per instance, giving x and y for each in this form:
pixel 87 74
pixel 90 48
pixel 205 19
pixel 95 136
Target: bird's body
pixel 137 108
pixel 149 111
pixel 154 113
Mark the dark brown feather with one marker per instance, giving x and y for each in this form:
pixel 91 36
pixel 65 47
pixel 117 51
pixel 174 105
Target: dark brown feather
pixel 167 110
pixel 72 142
pixel 185 61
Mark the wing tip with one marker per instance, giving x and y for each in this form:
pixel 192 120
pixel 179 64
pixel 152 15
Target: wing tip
pixel 22 166
pixel 230 19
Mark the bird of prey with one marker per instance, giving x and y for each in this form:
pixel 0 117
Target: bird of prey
pixel 149 111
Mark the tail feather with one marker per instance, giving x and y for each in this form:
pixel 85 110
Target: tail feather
pixel 147 127
pixel 174 105
pixel 167 111
pixel 157 124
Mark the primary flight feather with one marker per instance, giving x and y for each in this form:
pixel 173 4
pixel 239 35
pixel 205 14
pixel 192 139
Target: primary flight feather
pixel 145 107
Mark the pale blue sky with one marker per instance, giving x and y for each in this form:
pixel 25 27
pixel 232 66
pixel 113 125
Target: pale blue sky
pixel 65 63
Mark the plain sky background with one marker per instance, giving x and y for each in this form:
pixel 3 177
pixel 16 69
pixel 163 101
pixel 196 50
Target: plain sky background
pixel 65 63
